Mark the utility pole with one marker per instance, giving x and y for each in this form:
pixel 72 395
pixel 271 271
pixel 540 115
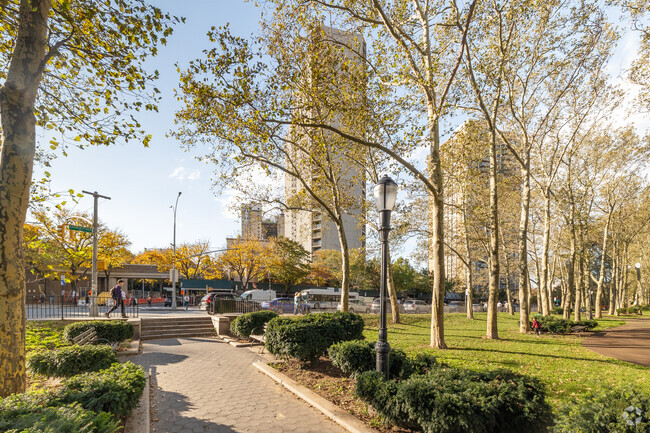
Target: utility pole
pixel 94 310
pixel 174 306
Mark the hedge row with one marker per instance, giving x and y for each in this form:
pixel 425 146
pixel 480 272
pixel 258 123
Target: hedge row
pixel 308 337
pixel 251 323
pixel 71 360
pixel 357 356
pixel 111 330
pixel 634 309
pixel 562 326
pixel 448 400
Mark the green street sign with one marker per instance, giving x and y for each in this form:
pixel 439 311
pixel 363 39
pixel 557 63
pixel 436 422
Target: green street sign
pixel 81 229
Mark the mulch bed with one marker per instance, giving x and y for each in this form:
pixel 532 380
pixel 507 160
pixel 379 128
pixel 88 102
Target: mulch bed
pixel 330 383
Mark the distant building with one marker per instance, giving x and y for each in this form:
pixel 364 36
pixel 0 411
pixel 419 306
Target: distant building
pixel 307 223
pixel 253 225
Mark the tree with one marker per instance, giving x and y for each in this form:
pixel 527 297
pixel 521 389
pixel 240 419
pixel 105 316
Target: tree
pixel 65 67
pixel 287 262
pixel 112 249
pixel 193 260
pixel 247 259
pixel 404 275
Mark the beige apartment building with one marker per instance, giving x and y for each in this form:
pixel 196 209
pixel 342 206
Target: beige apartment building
pixel 306 222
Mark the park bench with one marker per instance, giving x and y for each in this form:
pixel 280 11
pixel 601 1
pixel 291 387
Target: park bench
pixel 260 338
pixel 89 336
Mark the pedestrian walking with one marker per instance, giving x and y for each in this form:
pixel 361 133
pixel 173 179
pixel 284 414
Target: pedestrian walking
pixel 149 300
pixel 42 298
pixel 186 301
pixel 537 327
pixel 118 298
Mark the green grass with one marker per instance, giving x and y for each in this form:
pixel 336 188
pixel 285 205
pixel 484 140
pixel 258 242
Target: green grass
pixel 559 361
pixel 44 335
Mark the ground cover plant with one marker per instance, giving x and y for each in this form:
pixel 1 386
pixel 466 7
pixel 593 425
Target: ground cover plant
pixel 44 335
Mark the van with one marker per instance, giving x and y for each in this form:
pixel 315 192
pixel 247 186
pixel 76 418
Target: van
pixel 258 295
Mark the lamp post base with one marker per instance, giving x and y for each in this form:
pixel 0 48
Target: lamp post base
pixel 383 357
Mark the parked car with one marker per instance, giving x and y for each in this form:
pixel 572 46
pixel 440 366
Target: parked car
pixel 374 307
pixel 356 306
pixel 258 295
pixel 279 305
pixel 168 301
pixel 416 306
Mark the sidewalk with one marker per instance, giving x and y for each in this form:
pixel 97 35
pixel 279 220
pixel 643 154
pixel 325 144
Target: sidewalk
pixel 205 385
pixel 630 342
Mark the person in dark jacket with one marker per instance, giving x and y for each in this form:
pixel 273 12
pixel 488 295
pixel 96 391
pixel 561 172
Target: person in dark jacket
pixel 118 298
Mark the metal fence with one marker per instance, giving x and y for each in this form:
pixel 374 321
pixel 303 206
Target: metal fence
pixel 58 307
pixel 223 306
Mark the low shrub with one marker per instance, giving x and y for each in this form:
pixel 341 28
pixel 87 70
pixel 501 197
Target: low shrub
pixel 448 400
pixel 615 410
pixel 562 326
pixel 116 390
pixel 308 337
pixel 111 330
pixel 35 413
pixel 251 323
pixel 557 310
pixel 357 356
pixel 634 309
pixel 71 360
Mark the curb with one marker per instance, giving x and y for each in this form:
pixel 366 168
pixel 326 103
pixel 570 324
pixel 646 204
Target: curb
pixel 335 413
pixel 139 421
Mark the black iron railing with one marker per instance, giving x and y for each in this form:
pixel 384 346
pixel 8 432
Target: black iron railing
pixel 224 306
pixel 54 307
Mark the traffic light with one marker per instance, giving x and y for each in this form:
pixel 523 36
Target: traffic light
pixel 61 231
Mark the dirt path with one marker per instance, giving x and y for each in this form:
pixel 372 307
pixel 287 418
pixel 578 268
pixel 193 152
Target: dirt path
pixel 630 342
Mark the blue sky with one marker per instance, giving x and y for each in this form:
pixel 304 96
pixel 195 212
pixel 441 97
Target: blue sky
pixel 143 182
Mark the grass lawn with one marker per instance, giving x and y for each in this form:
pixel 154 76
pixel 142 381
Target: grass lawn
pixel 559 361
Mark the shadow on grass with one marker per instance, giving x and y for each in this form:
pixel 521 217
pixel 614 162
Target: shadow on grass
pixel 544 355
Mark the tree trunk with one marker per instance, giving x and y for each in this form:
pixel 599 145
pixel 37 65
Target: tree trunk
pixel 345 267
pixel 543 284
pixel 492 332
pixel 613 286
pixel 469 296
pixel 436 244
pixel 524 305
pixel 601 276
pixel 17 98
pixel 578 303
pixel 392 292
pixel 511 310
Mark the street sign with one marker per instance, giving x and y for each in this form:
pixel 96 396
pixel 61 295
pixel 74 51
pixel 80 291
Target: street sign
pixel 81 229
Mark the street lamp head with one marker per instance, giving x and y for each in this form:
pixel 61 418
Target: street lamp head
pixel 385 194
pixel 179 193
pixel 637 265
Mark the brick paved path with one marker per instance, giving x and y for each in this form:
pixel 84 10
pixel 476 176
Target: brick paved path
pixel 205 385
pixel 630 342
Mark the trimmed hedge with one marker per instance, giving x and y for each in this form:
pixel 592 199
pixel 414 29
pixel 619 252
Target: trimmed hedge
pixel 634 309
pixel 111 330
pixel 357 356
pixel 615 410
pixel 448 400
pixel 116 390
pixel 562 326
pixel 31 412
pixel 71 360
pixel 251 323
pixel 308 337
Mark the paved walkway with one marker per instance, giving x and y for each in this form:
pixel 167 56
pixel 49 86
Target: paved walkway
pixel 630 342
pixel 205 385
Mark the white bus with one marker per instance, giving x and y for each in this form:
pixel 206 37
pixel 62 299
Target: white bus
pixel 323 299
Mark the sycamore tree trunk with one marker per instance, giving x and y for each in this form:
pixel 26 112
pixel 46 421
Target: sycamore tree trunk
pixel 469 296
pixel 17 98
pixel 613 286
pixel 601 276
pixel 524 305
pixel 493 291
pixel 392 292
pixel 345 266
pixel 436 243
pixel 544 277
pixel 571 265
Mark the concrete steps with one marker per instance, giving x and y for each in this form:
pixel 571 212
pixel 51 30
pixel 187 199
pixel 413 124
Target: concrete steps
pixel 155 329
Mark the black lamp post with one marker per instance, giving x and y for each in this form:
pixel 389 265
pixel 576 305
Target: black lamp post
pixel 385 195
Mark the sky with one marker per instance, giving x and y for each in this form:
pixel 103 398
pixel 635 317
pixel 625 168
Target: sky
pixel 143 183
